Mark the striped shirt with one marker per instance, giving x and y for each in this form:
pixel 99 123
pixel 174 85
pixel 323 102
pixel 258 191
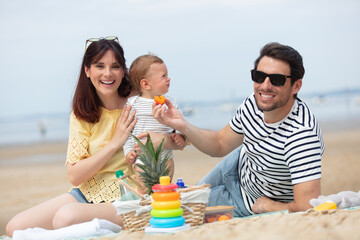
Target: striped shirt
pixel 275 157
pixel 146 122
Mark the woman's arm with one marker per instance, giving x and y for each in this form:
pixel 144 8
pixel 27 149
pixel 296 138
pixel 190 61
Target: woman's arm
pixel 86 168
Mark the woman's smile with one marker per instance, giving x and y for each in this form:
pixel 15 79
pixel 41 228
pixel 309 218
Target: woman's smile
pixel 107 82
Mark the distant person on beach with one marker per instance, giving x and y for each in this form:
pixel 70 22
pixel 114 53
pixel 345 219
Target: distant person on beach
pixel 43 127
pixel 149 76
pixel 99 126
pixel 278 164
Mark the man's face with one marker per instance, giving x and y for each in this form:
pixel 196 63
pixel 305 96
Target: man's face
pixel 270 98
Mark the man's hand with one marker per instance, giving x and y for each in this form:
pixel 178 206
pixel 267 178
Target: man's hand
pixel 170 117
pixel 260 206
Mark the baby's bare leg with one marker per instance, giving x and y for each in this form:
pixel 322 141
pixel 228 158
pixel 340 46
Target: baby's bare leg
pixel 171 164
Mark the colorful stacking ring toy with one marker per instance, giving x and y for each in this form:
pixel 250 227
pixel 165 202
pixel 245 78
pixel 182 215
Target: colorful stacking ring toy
pixel 160 205
pixel 168 213
pixel 167 222
pixel 164 188
pixel 168 196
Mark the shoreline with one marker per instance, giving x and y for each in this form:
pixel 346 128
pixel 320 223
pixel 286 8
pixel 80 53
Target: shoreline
pixel 326 126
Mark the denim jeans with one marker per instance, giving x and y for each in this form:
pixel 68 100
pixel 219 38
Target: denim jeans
pixel 78 195
pixel 225 186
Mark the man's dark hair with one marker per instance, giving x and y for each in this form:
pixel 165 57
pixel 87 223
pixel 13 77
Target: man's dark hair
pixel 287 54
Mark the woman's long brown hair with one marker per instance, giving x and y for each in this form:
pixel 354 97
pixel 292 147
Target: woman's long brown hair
pixel 86 103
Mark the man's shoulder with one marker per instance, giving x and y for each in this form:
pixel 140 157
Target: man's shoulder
pixel 249 102
pixel 302 113
pixel 301 118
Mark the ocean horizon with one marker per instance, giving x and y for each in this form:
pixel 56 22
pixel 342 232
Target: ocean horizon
pixel 332 107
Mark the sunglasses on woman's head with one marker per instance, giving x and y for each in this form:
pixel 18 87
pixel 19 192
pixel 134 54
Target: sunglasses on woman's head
pixel 275 79
pixel 111 38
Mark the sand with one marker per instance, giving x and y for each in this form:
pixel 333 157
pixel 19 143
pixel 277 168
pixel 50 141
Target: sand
pixel 30 174
pixel 340 224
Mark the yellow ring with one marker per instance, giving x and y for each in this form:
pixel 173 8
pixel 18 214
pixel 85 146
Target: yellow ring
pixel 167 196
pixel 166 204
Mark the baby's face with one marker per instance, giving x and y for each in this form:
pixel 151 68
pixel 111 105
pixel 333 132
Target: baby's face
pixel 158 79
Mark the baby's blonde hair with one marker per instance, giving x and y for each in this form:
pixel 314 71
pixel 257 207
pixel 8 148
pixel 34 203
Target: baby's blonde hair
pixel 140 67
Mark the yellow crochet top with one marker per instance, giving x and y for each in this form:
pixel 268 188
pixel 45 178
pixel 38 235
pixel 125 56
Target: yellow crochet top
pixel 85 139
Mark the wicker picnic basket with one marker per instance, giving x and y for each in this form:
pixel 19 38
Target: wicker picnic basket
pixel 193 210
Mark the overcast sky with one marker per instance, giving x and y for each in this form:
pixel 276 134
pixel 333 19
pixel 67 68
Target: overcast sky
pixel 209 46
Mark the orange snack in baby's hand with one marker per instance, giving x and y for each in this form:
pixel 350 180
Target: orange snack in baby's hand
pixel 159 99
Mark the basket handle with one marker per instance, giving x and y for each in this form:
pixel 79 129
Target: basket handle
pixel 122 182
pixel 132 179
pixel 192 188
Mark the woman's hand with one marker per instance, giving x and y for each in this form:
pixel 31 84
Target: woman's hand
pixel 86 168
pixel 156 138
pixel 125 124
pixel 179 140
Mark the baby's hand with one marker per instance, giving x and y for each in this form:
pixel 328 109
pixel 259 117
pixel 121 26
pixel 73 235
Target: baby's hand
pixel 178 139
pixel 130 157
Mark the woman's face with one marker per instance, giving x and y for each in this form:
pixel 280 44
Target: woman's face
pixel 106 75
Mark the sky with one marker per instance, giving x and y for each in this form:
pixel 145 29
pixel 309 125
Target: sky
pixel 209 46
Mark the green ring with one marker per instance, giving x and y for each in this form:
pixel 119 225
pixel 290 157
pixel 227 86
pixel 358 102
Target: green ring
pixel 169 213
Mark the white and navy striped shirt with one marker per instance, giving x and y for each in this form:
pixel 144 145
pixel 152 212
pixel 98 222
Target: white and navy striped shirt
pixel 275 157
pixel 146 122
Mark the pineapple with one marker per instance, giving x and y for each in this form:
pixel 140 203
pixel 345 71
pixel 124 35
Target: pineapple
pixel 153 166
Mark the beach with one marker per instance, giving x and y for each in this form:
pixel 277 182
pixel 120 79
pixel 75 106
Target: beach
pixel 33 173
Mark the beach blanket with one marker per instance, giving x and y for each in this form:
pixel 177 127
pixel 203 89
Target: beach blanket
pixel 87 230
pixel 343 200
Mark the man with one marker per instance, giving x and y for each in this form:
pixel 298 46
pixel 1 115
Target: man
pixel 278 166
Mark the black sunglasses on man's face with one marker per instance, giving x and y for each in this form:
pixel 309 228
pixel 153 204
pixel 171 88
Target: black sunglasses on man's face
pixel 275 79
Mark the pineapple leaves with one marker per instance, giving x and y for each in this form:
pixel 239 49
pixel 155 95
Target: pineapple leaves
pixel 159 149
pixel 153 166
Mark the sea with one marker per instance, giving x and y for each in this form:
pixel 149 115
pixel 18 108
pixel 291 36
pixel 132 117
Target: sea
pixel 334 107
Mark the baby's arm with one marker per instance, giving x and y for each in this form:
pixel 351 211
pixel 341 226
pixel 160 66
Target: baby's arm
pixel 179 139
pixel 130 157
pixel 129 151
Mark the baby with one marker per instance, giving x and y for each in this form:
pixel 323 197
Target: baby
pixel 149 76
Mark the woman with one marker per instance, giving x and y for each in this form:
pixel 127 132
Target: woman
pixel 99 126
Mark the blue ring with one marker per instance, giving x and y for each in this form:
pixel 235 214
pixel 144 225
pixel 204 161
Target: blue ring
pixel 167 222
